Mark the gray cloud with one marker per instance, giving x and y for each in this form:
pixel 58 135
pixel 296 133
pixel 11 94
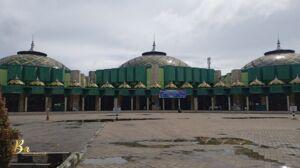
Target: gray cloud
pixel 89 35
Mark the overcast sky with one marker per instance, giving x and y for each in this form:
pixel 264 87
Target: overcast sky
pixel 94 34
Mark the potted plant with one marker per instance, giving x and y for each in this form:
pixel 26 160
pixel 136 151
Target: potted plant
pixel 8 136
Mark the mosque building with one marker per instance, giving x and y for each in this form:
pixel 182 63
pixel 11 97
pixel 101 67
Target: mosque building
pixel 31 81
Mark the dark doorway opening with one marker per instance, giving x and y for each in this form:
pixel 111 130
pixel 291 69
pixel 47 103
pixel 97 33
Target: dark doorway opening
pixel 36 103
pixel 171 104
pixel 204 102
pixel 90 103
pixel 238 102
pixel 58 102
pixel 221 102
pixel 277 102
pixel 186 103
pixel 255 103
pixel 12 102
pixel 107 103
pixel 140 103
pixel 125 102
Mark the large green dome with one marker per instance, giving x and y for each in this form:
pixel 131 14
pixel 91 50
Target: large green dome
pixel 31 58
pixel 275 57
pixel 154 58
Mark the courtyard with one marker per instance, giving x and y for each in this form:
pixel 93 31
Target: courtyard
pixel 166 139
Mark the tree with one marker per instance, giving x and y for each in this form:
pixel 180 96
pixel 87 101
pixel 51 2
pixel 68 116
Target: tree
pixel 8 136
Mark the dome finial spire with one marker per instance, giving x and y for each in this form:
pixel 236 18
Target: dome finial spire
pixel 153 45
pixel 278 43
pixel 32 43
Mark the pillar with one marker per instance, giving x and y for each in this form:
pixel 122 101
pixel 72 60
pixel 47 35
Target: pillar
pixel 247 103
pixel 46 107
pixel 179 103
pixel 82 103
pixel 131 103
pixel 163 103
pixel 147 104
pixel 66 103
pixel 173 104
pixel 288 102
pixel 267 103
pixel 196 103
pixel 46 103
pixel 21 103
pixel 100 104
pixel 137 102
pixel 229 103
pixel 115 102
pixel 97 103
pixel 212 102
pixel 26 103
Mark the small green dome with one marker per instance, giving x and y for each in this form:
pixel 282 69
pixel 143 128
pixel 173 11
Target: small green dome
pixel 276 81
pixel 204 85
pixel 140 85
pixel 237 84
pixel 155 85
pixel 256 82
pixel 124 85
pixel 220 84
pixel 16 81
pixel 171 85
pixel 107 85
pixel 37 82
pixel 92 85
pixel 187 85
pixel 56 83
pixel 75 84
pixel 296 80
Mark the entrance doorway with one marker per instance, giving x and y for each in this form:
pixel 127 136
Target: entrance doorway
pixel 58 102
pixel 107 103
pixel 12 102
pixel 90 103
pixel 204 102
pixel 36 103
pixel 277 102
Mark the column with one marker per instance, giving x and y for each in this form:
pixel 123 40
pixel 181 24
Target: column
pixel 131 103
pixel 26 103
pixel 173 104
pixel 97 103
pixel 212 102
pixel 82 103
pixel 229 103
pixel 46 107
pixel 288 102
pixel 115 101
pixel 196 103
pixel 147 103
pixel 137 102
pixel 21 103
pixel 247 103
pixel 267 103
pixel 179 103
pixel 163 104
pixel 100 103
pixel 46 103
pixel 66 103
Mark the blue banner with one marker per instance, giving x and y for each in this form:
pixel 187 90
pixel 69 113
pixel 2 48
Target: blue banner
pixel 181 94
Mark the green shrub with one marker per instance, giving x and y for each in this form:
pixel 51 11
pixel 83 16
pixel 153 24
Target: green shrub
pixel 7 136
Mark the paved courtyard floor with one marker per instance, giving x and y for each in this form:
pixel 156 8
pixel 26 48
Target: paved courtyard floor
pixel 167 139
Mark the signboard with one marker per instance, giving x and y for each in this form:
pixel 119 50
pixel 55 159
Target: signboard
pixel 293 108
pixel 181 94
